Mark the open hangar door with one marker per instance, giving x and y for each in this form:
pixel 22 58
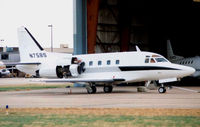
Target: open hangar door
pixel 119 25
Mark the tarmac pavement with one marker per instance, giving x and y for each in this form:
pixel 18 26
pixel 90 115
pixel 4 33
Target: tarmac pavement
pixel 121 97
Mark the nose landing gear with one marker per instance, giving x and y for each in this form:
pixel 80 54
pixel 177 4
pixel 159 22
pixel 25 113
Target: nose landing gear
pixel 162 89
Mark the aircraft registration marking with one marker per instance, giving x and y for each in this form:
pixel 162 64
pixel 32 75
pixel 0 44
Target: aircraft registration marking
pixel 37 55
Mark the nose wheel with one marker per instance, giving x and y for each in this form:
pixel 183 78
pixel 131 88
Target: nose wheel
pixel 161 89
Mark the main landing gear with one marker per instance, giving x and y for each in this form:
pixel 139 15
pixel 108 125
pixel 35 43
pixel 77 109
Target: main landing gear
pixel 108 89
pixel 91 88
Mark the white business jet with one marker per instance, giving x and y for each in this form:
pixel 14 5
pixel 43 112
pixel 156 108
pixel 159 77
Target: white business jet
pixel 105 68
pixel 188 61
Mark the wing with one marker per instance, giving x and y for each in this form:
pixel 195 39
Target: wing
pixel 33 63
pixel 74 80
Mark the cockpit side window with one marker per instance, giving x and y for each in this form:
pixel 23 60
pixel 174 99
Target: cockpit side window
pixel 147 59
pixel 152 60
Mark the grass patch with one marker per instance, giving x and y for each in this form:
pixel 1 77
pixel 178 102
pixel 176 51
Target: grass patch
pixel 16 119
pixel 30 87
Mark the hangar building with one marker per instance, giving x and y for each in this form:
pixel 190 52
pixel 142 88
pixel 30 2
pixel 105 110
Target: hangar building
pixel 119 25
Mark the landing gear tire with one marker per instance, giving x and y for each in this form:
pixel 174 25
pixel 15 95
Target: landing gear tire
pixel 91 89
pixel 107 89
pixel 162 90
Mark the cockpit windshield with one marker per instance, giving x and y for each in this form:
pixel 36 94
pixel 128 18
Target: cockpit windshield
pixel 155 59
pixel 160 59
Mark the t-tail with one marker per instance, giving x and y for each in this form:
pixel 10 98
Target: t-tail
pixel 30 50
pixel 35 60
pixel 170 53
pixel 31 53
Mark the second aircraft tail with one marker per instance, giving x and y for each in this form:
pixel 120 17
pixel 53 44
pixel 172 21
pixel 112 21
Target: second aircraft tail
pixel 170 53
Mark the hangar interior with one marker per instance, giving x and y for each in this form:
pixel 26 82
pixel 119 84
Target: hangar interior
pixel 119 25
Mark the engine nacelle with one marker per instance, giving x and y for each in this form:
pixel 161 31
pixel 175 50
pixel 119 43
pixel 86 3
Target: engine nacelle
pixel 59 71
pixel 75 70
pixel 47 72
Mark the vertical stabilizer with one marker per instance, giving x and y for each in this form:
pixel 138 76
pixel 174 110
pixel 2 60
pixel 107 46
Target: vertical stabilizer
pixel 28 45
pixel 170 52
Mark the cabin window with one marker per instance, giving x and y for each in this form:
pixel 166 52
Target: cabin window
pixel 90 63
pixel 147 59
pixel 108 62
pixel 117 61
pixel 99 63
pixel 152 60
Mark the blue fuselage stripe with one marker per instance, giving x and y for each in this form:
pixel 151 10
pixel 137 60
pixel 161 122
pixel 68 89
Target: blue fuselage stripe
pixel 143 68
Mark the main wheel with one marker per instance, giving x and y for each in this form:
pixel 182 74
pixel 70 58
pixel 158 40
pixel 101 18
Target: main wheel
pixel 162 90
pixel 108 89
pixel 92 89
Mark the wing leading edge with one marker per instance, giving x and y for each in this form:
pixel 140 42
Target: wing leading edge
pixel 33 63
